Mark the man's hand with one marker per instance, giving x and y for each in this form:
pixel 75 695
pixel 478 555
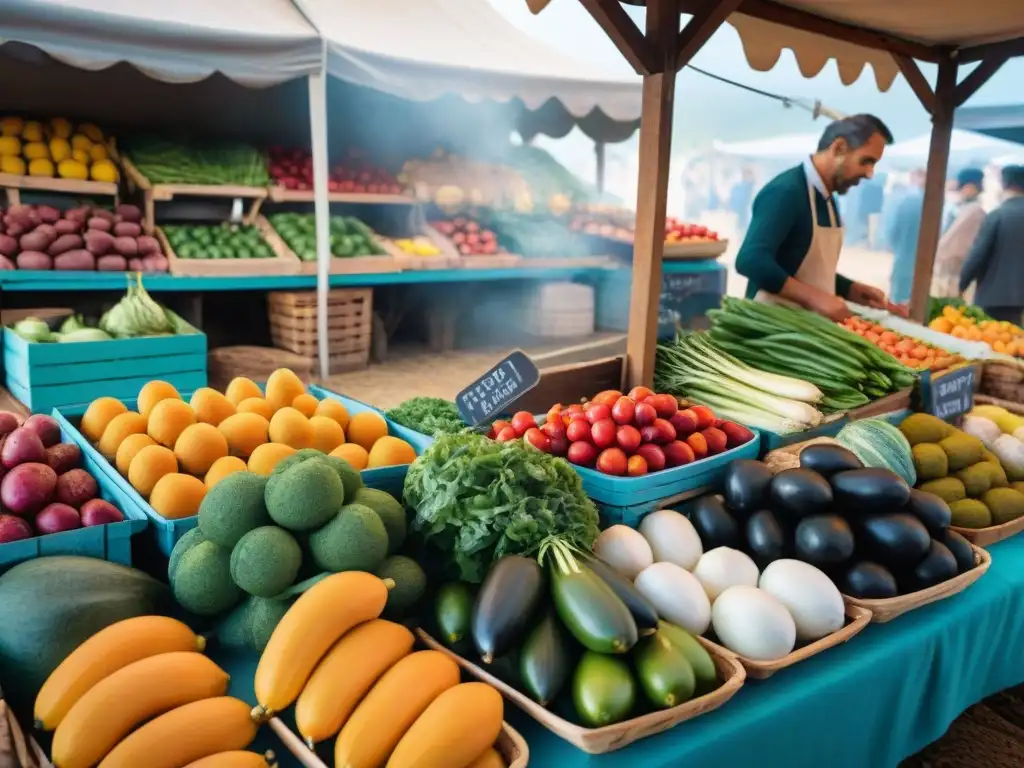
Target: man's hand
pixel 900 310
pixel 868 296
pixel 828 305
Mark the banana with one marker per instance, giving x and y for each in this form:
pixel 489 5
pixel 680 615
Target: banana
pixel 345 674
pixel 316 621
pixel 188 733
pixel 109 710
pixel 104 653
pixel 237 759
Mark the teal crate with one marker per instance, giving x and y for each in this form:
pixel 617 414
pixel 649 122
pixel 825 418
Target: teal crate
pixel 48 376
pixel 110 542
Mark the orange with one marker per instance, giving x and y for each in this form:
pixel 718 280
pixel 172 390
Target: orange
pixel 222 468
pixel 327 434
pixel 211 406
pixel 390 451
pixel 256 405
pixel 168 419
pixel 152 393
pixel 366 428
pixel 354 454
pixel 241 389
pixel 129 447
pixel 100 413
pixel 283 386
pixel 266 456
pixel 333 409
pixel 290 427
pixel 305 404
pixel 149 466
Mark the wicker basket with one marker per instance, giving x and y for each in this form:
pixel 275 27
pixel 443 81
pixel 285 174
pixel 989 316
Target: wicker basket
pixel 256 363
pixel 349 321
pixel 1003 380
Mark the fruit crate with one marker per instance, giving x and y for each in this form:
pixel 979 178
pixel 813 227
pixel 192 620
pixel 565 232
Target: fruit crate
pixel 351 265
pixel 284 261
pixel 448 258
pixel 110 542
pixel 349 320
pixel 45 376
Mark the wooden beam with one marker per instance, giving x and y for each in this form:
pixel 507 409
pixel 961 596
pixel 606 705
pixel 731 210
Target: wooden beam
pixel 652 192
pixel 701 27
pixel 1007 48
pixel 918 82
pixel 934 188
pixel 977 78
pixel 624 33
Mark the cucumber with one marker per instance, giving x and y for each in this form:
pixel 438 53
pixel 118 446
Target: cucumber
pixel 453 611
pixel 644 614
pixel 603 690
pixel 700 660
pixel 665 675
pixel 506 605
pixel 545 663
pixel 591 610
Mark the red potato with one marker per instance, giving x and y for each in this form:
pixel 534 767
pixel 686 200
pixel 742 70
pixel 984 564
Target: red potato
pixel 126 246
pixel 13 529
pixel 47 214
pixel 9 422
pixel 45 427
pixel 56 518
pixel 63 457
pixel 147 245
pixel 79 260
pixel 582 454
pixel 22 446
pixel 678 453
pixel 6 264
pixel 100 512
pixel 506 435
pixel 68 227
pixel 135 265
pixel 36 241
pixel 653 455
pixel 28 488
pixel 76 487
pixel 99 224
pixel 98 242
pixel 34 260
pixel 522 421
pixel 101 213
pixel 644 415
pixel 113 263
pixel 64 243
pixel 716 440
pixel 127 229
pixel 602 433
pixel 578 429
pixel 155 263
pixel 636 466
pixel 129 213
pixel 736 434
pixel 612 461
pixel 628 438
pixel 80 215
pixel 8 245
pixel 538 439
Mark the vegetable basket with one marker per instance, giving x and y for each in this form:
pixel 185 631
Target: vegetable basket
pixel 110 542
pixel 284 261
pixel 986 537
pixel 597 741
pixel 338 265
pixel 293 325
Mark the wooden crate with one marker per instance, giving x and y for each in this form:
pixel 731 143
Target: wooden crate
pixel 449 258
pixel 15 183
pixel 354 265
pixel 349 320
pixel 284 261
pixel 280 194
pixel 256 363
pixel 1003 380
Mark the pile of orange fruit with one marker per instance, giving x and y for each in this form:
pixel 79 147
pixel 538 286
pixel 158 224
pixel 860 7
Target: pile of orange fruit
pixel 1004 337
pixel 911 352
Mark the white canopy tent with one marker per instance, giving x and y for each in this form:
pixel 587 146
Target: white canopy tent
pixel 790 146
pixel 964 146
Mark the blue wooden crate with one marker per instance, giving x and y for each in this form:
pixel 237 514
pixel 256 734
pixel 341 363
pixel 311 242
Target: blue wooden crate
pixel 110 542
pixel 53 375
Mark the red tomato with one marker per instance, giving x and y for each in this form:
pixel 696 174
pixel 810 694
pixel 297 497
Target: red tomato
pixel 559 445
pixel 578 429
pixel 644 415
pixel 653 455
pixel 639 393
pixel 665 405
pixel 623 411
pixel 628 438
pixel 582 454
pixel 685 422
pixel 554 413
pixel 507 434
pixel 538 439
pixel 607 397
pixel 612 461
pixel 523 421
pixel 699 444
pixel 554 429
pixel 705 416
pixel 678 453
pixel 596 413
pixel 602 433
pixel 499 425
pixel 636 466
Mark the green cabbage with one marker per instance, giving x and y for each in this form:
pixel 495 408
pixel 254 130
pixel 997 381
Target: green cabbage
pixel 33 329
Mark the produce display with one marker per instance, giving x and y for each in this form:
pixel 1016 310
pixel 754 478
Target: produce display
pixel 537 236
pixel 83 238
pixel 44 488
pixel 971 323
pixel 417 246
pixel 978 471
pixel 173 452
pixel 629 434
pixel 580 633
pixel 349 236
pixel 217 241
pixel 677 231
pixel 55 148
pixel 430 415
pixel 136 315
pixel 469 237
pixel 451 180
pixel 293 169
pixel 163 161
pixel 911 352
pixel 617 224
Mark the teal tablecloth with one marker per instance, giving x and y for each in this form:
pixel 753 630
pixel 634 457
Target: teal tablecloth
pixel 881 697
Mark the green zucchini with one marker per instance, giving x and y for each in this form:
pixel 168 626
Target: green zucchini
pixel 453 611
pixel 545 661
pixel 603 690
pixel 700 660
pixel 665 674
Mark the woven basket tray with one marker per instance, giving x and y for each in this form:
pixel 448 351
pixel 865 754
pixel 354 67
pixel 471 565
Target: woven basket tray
pixel 597 741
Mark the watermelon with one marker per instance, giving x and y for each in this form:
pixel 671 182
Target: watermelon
pixel 877 443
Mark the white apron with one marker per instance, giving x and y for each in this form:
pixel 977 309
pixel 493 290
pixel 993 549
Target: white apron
pixel 822 260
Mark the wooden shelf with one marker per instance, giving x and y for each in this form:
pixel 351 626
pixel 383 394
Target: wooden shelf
pixel 282 195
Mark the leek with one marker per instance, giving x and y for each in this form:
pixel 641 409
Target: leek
pixel 751 417
pixel 739 392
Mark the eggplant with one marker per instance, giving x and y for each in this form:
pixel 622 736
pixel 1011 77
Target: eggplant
pixel 644 614
pixel 898 541
pixel 453 612
pixel 869 581
pixel 591 610
pixel 746 485
pixel 545 662
pixel 506 604
pixel 824 540
pixel 931 510
pixel 938 566
pixel 870 491
pixel 960 548
pixel 715 526
pixel 766 540
pixel 827 459
pixel 797 493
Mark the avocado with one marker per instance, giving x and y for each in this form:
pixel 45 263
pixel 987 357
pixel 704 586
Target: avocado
pixel 264 615
pixel 410 584
pixel 233 630
pixel 304 496
pixel 233 507
pixel 353 540
pixel 350 478
pixel 930 462
pixel 453 612
pixel 388 509
pixel 970 513
pixel 1005 504
pixel 665 675
pixel 962 450
pixel 700 660
pixel 202 581
pixel 603 689
pixel 265 561
pixel 183 545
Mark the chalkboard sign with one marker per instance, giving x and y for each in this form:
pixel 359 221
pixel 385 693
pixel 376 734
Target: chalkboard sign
pixel 495 391
pixel 686 296
pixel 949 395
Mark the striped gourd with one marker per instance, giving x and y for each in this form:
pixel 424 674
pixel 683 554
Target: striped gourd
pixel 877 443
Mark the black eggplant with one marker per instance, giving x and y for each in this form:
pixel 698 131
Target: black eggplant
pixel 932 511
pixel 746 485
pixel 869 581
pixel 870 491
pixel 644 613
pixel 715 526
pixel 898 541
pixel 545 661
pixel 797 493
pixel 938 566
pixel 827 459
pixel 506 605
pixel 960 548
pixel 824 540
pixel 766 541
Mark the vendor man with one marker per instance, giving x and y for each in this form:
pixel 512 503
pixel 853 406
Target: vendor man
pixel 792 246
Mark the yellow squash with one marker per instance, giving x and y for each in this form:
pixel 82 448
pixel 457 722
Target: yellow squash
pixel 457 728
pixel 316 621
pixel 236 759
pixel 391 707
pixel 188 733
pixel 104 653
pixel 133 694
pixel 345 674
pixel 489 759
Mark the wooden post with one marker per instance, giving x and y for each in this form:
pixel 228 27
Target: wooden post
pixel 652 191
pixel 599 147
pixel 934 187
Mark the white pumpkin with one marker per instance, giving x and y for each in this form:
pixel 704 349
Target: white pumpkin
pixel 809 595
pixel 676 595
pixel 724 567
pixel 673 538
pixel 624 549
pixel 750 622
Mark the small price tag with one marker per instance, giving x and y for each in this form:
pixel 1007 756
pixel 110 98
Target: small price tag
pixel 950 395
pixel 495 391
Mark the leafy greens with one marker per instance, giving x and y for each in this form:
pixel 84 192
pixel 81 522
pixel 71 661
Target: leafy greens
pixel 430 415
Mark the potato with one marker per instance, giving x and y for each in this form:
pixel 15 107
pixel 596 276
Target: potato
pixel 77 214
pixel 47 213
pixel 129 213
pixel 99 243
pixel 48 229
pixel 147 245
pixel 127 229
pixel 34 260
pixel 135 265
pixel 8 245
pixel 26 217
pixel 126 246
pixel 14 229
pixel 36 241
pixel 64 243
pixel 153 263
pixel 6 264
pixel 79 259
pixel 99 223
pixel 112 263
pixel 100 213
pixel 67 227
